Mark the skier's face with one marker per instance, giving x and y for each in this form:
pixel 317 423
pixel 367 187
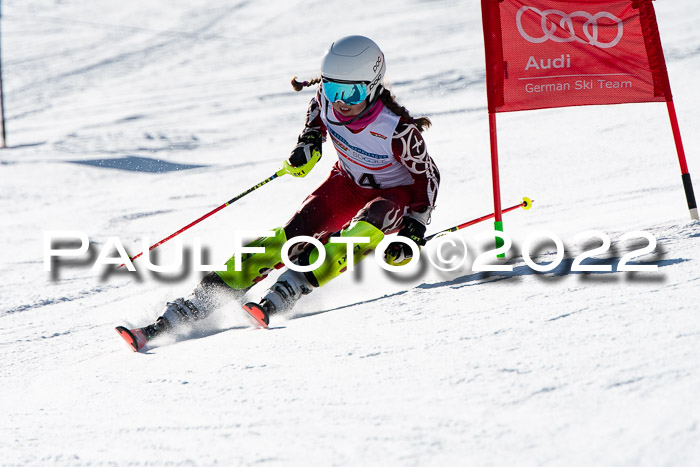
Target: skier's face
pixel 346 110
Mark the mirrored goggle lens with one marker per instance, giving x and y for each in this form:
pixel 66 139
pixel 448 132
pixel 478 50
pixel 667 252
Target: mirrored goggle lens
pixel 350 93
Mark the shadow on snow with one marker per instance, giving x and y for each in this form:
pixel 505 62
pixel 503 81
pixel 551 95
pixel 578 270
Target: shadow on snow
pixel 137 164
pixel 558 273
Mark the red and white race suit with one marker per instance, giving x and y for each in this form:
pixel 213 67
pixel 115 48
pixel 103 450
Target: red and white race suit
pixel 383 172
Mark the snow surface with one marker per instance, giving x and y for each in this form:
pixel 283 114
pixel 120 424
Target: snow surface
pixel 130 119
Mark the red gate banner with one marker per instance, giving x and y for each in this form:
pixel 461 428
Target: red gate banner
pixel 556 53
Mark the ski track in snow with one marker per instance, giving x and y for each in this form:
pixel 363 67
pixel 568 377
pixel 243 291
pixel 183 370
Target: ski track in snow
pixel 132 119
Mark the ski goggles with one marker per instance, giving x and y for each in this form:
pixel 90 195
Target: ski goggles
pixel 350 93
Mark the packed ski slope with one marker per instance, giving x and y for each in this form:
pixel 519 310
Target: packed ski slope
pixel 130 119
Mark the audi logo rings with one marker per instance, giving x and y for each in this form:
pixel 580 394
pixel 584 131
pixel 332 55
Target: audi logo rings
pixel 549 27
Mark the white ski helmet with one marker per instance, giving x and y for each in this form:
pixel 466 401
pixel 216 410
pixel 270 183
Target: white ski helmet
pixel 355 59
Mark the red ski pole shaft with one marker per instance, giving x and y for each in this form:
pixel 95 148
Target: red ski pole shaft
pixel 212 212
pixel 526 204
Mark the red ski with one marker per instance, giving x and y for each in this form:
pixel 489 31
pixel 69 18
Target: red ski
pixel 136 338
pixel 258 314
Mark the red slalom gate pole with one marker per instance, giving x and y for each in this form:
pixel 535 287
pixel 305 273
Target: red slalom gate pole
pixel 495 176
pixel 685 175
pixel 211 213
pixel 526 204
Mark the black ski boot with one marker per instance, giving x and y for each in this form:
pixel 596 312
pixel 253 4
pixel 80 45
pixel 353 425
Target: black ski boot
pixel 137 338
pixel 281 297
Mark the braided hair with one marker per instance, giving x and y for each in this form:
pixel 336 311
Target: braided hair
pixel 299 85
pixel 387 98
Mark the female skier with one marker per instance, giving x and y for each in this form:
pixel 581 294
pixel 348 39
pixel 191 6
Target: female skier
pixel 383 182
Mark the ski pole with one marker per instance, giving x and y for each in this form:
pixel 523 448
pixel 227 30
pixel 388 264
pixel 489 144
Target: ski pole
pixel 214 211
pixel 526 204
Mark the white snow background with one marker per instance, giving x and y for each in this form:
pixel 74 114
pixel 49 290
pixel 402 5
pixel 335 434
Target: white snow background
pixel 110 104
